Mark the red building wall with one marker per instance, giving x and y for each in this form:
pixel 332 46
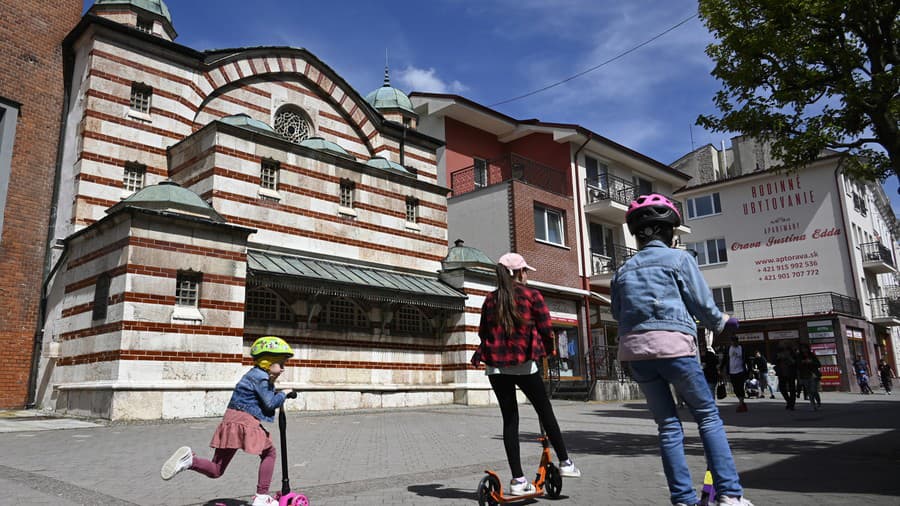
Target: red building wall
pixel 31 74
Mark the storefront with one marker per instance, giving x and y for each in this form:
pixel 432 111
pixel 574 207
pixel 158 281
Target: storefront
pixel 570 352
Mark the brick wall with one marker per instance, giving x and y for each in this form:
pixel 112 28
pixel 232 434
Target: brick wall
pixel 30 74
pixel 554 264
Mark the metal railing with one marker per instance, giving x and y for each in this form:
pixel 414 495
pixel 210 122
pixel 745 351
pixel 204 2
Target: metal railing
pixel 793 305
pixel 610 258
pixel 506 168
pixel 607 365
pixel 885 307
pixel 876 252
pixel 609 187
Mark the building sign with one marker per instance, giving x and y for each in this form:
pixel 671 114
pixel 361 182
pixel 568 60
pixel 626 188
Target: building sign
pixel 831 375
pixel 820 329
pixel 745 337
pixel 822 349
pixel 562 311
pixel 777 335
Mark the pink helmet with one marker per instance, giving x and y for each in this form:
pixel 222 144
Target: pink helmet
pixel 651 209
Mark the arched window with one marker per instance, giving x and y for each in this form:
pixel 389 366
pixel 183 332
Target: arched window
pixel 409 320
pixel 293 124
pixel 263 304
pixel 341 312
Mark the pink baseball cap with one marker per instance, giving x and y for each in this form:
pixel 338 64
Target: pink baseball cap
pixel 514 262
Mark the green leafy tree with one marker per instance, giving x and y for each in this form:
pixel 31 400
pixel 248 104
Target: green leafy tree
pixel 808 75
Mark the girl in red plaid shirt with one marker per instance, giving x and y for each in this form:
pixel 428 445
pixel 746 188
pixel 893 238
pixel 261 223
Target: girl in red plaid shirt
pixel 515 333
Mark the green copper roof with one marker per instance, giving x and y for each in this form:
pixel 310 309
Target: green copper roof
pixel 466 256
pixel 346 279
pixel 383 163
pixel 169 196
pixel 154 6
pixel 388 97
pixel 245 121
pixel 321 144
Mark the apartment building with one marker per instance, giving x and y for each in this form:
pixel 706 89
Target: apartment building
pixel 800 256
pixel 207 198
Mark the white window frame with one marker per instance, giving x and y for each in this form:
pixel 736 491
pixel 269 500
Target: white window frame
pixel 715 204
pixel 702 250
pixel 346 196
pixel 412 210
pixel 141 98
pixel 134 177
pixel 269 170
pixel 479 167
pixel 546 213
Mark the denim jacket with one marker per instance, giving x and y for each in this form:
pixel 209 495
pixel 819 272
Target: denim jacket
pixel 661 288
pixel 256 395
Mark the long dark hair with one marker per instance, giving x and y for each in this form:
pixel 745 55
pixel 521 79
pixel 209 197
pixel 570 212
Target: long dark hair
pixel 507 314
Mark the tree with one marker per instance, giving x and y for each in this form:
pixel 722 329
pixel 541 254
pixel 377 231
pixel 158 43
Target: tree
pixel 809 75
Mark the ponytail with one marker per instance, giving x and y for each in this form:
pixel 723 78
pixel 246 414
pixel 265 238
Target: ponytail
pixel 507 313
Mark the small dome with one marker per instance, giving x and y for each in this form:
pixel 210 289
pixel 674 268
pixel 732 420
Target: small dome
pixel 383 163
pixel 388 97
pixel 245 121
pixel 466 256
pixel 321 144
pixel 169 196
pixel 154 6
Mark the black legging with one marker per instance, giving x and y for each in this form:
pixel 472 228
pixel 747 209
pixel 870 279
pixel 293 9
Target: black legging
pixel 532 386
pixel 787 385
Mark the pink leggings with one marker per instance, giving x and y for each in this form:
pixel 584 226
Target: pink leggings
pixel 222 457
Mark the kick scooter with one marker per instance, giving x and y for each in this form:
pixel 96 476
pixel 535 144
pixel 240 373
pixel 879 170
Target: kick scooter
pixel 548 480
pixel 285 497
pixel 708 493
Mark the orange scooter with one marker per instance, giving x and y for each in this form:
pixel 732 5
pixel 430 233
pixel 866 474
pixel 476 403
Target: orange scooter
pixel 547 481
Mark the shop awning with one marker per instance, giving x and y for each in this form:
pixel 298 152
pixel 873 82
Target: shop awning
pixel 346 279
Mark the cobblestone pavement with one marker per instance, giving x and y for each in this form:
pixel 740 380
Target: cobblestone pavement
pixel 847 453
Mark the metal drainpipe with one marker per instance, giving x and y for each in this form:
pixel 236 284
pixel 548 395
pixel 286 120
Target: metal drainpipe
pixel 585 284
pixel 847 239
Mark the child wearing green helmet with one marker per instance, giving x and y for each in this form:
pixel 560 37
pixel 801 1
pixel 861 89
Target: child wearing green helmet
pixel 254 400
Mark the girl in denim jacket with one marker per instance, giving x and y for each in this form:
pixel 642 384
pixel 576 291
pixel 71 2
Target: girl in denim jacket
pixel 656 296
pixel 254 400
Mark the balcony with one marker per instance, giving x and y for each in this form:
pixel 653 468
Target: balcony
pixel 792 305
pixel 885 311
pixel 507 168
pixel 605 263
pixel 607 197
pixel 877 258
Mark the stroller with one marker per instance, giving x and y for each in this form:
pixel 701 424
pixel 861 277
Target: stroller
pixel 751 387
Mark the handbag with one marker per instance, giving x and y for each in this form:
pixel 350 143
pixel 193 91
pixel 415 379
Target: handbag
pixel 720 391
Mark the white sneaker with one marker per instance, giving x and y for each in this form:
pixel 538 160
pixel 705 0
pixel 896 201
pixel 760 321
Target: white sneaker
pixel 569 470
pixel 264 500
pixel 179 461
pixel 732 501
pixel 521 488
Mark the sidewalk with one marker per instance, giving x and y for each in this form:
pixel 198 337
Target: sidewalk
pixel 845 454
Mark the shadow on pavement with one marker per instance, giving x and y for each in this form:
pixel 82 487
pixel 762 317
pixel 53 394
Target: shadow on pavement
pixel 439 491
pixel 225 502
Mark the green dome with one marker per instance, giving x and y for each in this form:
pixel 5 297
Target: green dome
pixel 245 121
pixel 388 97
pixel 466 256
pixel 169 196
pixel 383 163
pixel 154 6
pixel 320 144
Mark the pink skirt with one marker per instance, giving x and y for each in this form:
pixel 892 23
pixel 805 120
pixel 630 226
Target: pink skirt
pixel 242 431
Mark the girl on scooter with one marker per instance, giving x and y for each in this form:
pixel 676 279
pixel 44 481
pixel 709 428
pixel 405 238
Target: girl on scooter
pixel 656 295
pixel 515 334
pixel 254 400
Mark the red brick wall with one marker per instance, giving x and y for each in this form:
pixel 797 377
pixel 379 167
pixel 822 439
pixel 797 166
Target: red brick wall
pixel 31 74
pixel 554 264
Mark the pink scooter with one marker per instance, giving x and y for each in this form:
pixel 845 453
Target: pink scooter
pixel 286 497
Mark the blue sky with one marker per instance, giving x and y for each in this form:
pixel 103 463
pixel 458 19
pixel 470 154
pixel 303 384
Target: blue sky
pixel 493 50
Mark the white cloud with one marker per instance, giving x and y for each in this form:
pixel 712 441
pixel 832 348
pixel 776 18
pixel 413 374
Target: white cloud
pixel 427 80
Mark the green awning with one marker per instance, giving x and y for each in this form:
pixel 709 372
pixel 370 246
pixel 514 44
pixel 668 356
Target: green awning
pixel 345 279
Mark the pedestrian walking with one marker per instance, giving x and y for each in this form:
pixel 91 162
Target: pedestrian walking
pixel 762 365
pixel 254 401
pixel 711 369
pixel 736 369
pixel 861 367
pixel 786 370
pixel 515 332
pixel 656 295
pixel 886 373
pixel 808 374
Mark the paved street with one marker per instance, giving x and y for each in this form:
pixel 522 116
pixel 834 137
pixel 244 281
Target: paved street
pixel 847 453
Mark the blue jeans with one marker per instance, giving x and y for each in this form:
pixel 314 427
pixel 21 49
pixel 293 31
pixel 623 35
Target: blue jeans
pixel 685 374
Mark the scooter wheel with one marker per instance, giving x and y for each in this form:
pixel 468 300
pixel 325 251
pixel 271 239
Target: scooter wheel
pixel 488 485
pixel 300 500
pixel 553 485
